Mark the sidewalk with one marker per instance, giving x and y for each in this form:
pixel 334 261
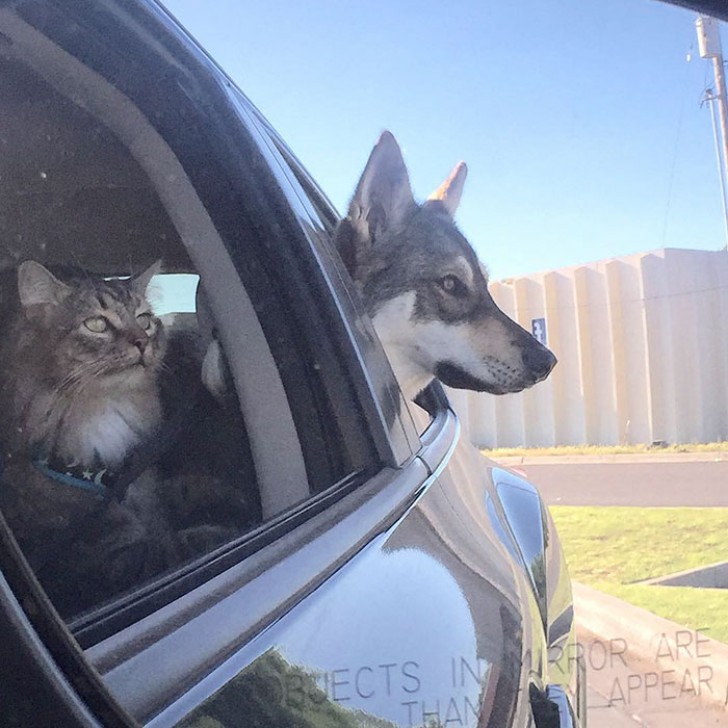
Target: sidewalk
pixel 649 668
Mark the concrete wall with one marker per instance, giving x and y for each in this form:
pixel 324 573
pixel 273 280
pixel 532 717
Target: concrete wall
pixel 642 343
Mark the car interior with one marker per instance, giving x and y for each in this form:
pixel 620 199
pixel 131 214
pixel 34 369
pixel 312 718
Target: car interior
pixel 90 184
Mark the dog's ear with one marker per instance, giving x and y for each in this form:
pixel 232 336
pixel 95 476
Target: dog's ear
pixel 451 190
pixel 382 201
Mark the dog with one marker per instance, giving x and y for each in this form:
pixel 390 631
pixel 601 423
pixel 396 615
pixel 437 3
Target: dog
pixel 424 289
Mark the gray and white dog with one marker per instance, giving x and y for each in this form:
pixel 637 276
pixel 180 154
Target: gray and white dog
pixel 424 288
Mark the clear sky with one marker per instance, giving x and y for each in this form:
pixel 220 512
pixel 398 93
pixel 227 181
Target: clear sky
pixel 580 120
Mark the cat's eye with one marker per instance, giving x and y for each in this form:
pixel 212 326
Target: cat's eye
pixel 96 324
pixel 144 320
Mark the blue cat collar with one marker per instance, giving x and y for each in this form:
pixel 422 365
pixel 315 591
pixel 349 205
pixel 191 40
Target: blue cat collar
pixel 90 481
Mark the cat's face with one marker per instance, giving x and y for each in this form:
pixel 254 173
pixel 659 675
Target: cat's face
pixel 91 329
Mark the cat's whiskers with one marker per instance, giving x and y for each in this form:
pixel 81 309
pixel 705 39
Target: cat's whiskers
pixel 80 373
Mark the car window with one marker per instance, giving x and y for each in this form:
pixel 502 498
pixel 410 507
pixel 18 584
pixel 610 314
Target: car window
pixel 163 397
pixel 174 293
pixel 414 419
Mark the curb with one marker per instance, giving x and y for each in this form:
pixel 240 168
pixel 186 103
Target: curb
pixel 685 656
pixel 667 457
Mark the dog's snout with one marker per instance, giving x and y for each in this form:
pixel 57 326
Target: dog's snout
pixel 539 361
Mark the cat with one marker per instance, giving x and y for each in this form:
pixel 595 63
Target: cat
pixel 80 363
pixel 117 463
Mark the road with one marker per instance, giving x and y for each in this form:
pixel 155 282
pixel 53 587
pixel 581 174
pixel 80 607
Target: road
pixel 631 484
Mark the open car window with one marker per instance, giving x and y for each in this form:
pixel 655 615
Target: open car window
pixel 413 419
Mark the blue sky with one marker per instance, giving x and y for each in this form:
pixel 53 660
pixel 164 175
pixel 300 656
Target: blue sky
pixel 580 121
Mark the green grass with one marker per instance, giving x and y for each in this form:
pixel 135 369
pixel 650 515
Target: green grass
pixel 610 548
pixel 717 447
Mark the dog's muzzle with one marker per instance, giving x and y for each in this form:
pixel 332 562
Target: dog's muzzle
pixel 457 378
pixel 538 361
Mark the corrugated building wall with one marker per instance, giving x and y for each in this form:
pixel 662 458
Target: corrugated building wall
pixel 642 343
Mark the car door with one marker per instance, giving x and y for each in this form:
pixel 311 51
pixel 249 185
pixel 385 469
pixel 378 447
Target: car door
pixel 127 146
pixel 365 582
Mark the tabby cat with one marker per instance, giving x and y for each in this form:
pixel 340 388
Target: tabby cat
pixel 80 362
pixel 80 367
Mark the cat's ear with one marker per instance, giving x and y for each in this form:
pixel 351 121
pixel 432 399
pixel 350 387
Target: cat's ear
pixel 38 286
pixel 140 282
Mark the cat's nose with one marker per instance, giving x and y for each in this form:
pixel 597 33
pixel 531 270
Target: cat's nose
pixel 140 342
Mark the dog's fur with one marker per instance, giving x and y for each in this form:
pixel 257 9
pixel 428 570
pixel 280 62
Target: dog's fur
pixel 424 288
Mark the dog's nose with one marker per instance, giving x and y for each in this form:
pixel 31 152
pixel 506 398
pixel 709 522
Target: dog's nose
pixel 539 361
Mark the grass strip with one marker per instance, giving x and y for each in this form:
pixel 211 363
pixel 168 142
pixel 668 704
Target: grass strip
pixel 610 548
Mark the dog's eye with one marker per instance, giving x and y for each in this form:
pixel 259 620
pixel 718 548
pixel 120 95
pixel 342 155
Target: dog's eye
pixel 452 284
pixel 96 324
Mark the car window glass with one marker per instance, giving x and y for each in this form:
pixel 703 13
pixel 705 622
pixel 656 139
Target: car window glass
pixel 145 422
pixel 124 449
pixel 174 292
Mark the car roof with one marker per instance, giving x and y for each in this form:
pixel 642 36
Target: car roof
pixel 715 8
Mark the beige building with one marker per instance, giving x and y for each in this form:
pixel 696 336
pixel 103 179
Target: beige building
pixel 642 343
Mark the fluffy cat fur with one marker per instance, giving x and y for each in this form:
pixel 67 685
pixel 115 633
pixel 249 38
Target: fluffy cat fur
pixel 80 359
pixel 90 377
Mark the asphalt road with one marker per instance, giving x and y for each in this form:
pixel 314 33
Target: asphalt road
pixel 631 484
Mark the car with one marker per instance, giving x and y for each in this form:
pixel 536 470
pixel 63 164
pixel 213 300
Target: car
pixel 383 571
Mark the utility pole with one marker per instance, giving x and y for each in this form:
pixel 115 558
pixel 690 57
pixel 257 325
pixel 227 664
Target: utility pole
pixel 709 46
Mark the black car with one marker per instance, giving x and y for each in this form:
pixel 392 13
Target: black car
pixel 367 570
